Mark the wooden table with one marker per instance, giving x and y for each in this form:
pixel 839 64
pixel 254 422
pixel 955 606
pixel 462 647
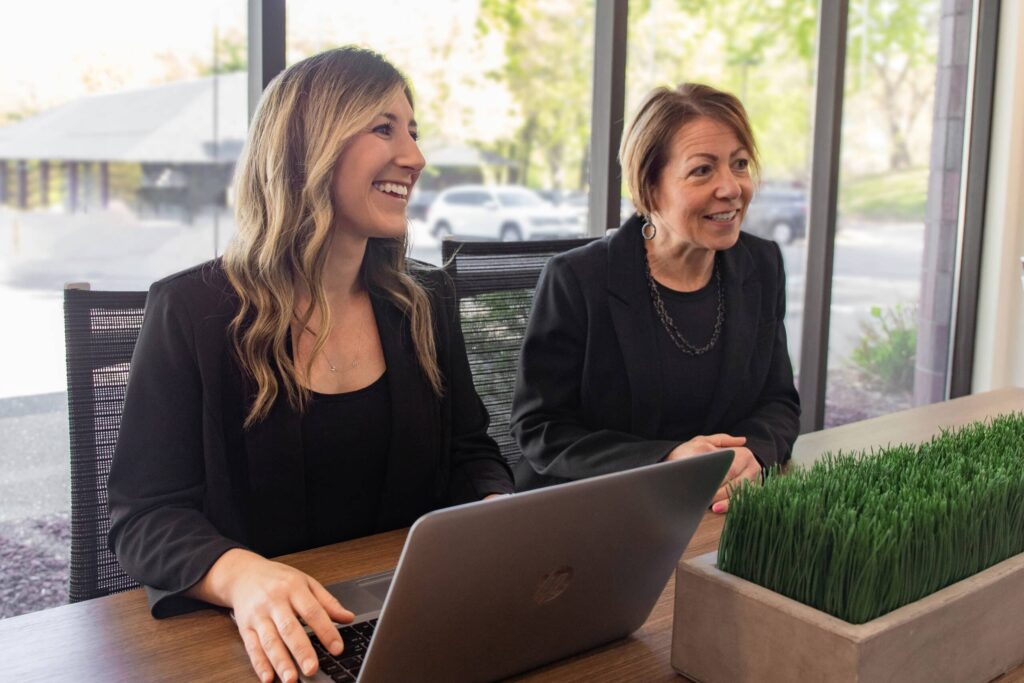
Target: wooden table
pixel 114 638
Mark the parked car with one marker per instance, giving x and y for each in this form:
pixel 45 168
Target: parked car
pixel 505 212
pixel 777 213
pixel 419 204
pixel 580 202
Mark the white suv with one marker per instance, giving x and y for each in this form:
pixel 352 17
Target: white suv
pixel 505 212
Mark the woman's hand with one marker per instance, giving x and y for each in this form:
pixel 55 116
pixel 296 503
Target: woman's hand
pixel 268 598
pixel 744 464
pixel 744 467
pixel 705 444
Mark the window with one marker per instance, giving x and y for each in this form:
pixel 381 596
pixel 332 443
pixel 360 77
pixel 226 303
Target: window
pixel 116 150
pixel 502 90
pixel 902 142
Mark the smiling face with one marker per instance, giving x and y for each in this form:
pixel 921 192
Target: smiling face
pixel 704 189
pixel 376 172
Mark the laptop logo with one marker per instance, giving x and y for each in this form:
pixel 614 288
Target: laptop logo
pixel 553 584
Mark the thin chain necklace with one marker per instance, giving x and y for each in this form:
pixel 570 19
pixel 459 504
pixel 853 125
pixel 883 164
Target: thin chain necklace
pixel 331 365
pixel 670 326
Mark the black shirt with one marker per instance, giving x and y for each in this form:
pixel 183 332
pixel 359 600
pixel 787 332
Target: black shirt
pixel 688 382
pixel 345 441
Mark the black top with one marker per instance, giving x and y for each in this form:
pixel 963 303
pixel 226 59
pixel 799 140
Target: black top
pixel 345 441
pixel 591 394
pixel 188 482
pixel 688 381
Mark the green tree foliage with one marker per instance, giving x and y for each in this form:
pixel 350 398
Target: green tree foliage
pixel 549 60
pixel 891 51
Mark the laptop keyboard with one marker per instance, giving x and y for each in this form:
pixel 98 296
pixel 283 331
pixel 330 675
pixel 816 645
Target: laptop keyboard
pixel 345 667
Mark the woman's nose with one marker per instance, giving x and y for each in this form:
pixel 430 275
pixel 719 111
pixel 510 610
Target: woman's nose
pixel 410 155
pixel 728 187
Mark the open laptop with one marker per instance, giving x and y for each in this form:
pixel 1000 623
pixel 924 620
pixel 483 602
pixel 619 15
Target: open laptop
pixel 489 589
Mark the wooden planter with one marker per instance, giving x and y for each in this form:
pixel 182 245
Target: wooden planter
pixel 727 629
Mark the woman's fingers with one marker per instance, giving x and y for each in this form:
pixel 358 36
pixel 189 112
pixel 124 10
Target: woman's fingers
pixel 295 638
pixel 334 608
pixel 313 613
pixel 726 440
pixel 257 657
pixel 275 650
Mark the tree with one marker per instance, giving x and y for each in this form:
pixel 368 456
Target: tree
pixel 549 48
pixel 890 55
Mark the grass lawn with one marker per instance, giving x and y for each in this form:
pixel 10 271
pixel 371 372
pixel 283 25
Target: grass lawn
pixel 894 195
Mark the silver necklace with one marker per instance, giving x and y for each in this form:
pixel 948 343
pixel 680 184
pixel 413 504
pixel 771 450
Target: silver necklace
pixel 332 366
pixel 670 326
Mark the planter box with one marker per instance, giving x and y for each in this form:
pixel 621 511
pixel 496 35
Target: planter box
pixel 727 629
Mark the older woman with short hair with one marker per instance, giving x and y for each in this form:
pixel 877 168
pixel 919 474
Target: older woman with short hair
pixel 666 338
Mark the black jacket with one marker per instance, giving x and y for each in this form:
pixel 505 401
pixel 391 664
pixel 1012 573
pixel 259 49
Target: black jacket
pixel 588 397
pixel 188 482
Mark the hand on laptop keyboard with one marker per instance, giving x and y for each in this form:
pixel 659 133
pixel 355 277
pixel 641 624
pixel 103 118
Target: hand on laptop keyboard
pixel 344 668
pixel 268 599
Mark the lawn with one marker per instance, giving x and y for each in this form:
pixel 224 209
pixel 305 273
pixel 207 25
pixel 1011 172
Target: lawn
pixel 894 195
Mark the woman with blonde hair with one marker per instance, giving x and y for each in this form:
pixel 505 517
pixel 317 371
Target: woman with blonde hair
pixel 667 338
pixel 310 387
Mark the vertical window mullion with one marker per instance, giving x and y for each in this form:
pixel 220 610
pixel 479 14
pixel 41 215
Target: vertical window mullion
pixel 972 198
pixel 610 23
pixel 828 117
pixel 266 46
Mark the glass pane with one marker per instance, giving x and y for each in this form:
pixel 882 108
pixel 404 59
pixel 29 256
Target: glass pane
pixel 116 148
pixel 764 53
pixel 502 99
pixel 906 83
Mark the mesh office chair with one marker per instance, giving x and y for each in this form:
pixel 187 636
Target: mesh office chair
pixel 495 282
pixel 100 330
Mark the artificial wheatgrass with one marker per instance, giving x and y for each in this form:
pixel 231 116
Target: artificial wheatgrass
pixel 858 535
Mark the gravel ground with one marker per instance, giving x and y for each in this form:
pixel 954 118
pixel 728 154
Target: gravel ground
pixel 34 564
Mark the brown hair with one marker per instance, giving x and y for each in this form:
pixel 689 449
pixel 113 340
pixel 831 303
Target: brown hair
pixel 285 217
pixel 646 144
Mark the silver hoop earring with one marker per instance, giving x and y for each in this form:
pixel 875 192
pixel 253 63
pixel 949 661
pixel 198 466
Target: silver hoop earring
pixel 648 231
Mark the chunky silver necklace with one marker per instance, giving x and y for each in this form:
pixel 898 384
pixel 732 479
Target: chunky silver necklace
pixel 670 326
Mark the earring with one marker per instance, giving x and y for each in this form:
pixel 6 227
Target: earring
pixel 649 230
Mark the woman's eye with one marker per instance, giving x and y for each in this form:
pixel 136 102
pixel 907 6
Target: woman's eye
pixel 741 164
pixel 414 135
pixel 384 129
pixel 701 170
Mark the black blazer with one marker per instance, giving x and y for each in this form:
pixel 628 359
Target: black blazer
pixel 588 396
pixel 188 482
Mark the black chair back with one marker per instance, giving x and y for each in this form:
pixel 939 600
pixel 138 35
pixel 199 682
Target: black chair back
pixel 495 282
pixel 100 330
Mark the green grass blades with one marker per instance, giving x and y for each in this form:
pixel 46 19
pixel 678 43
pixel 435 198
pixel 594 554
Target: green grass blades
pixel 859 534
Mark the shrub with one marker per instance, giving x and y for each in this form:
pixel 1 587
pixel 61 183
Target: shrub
pixel 860 534
pixel 887 348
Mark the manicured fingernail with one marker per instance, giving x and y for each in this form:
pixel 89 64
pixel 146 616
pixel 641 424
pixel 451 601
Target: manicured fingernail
pixel 308 666
pixel 335 647
pixel 266 677
pixel 718 507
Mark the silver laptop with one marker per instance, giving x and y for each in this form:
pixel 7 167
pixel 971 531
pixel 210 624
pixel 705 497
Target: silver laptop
pixel 490 589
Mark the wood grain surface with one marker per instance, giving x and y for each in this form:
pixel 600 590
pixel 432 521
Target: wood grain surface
pixel 115 639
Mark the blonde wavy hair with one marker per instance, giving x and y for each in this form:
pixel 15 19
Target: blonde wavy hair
pixel 285 218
